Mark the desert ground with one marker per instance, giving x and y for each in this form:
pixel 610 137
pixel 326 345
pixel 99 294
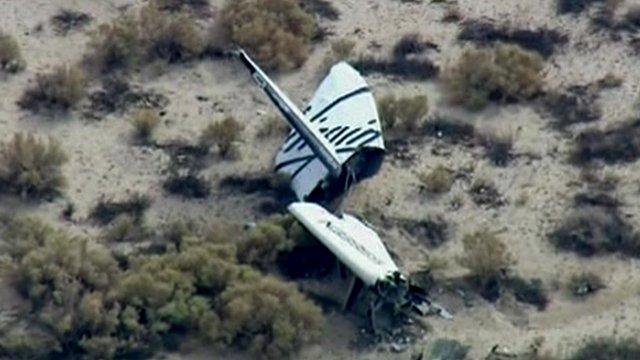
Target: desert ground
pixel 537 186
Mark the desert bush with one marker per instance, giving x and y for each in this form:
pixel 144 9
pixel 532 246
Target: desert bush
pixel 272 126
pixel 503 74
pixel 608 348
pixel 20 343
pixel 543 41
pixel 432 230
pixel 171 38
pixel 615 145
pixel 107 210
pixel 596 198
pixel 322 8
pixel 592 230
pixel 577 105
pixel 447 349
pixel 146 36
pixel 632 17
pixel 574 6
pixel 529 291
pixel 584 284
pixel 65 278
pixel 116 45
pixel 276 32
pixel 452 130
pixel 487 258
pixel 409 44
pixel 66 20
pixel 264 243
pixel 88 307
pixel 144 122
pixel 223 134
pixel 180 5
pixel 341 50
pixel 483 192
pixel 126 228
pixel 59 90
pixel 498 146
pixel 402 116
pixel 269 317
pixel 188 185
pixel 31 167
pixel 11 59
pixel 409 68
pixel 438 181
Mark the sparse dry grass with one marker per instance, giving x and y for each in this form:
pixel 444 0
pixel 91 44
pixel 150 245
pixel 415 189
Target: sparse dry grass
pixel 61 89
pixel 402 116
pixel 224 134
pixel 31 167
pixel 504 74
pixel 145 122
pixel 11 59
pixel 438 181
pixel 276 32
pixel 486 257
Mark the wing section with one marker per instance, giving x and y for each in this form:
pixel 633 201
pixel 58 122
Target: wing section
pixel 343 111
pixel 353 243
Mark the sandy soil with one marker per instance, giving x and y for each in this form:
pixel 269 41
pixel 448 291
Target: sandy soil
pixel 103 162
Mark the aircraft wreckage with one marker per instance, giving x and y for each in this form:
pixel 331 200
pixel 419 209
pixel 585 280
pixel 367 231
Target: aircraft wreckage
pixel 333 144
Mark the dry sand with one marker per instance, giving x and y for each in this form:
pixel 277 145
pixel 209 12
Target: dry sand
pixel 103 162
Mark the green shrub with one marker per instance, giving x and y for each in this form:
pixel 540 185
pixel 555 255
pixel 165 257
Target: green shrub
pixel 84 305
pixel 608 349
pixel 264 243
pixel 59 90
pixel 31 167
pixel 503 74
pixel 125 228
pixel 438 181
pixel 223 134
pixel 20 343
pixel 486 257
pixel 144 121
pixel 447 349
pixel 144 37
pixel 585 284
pixel 269 317
pixel 276 32
pixel 11 59
pixel 404 115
